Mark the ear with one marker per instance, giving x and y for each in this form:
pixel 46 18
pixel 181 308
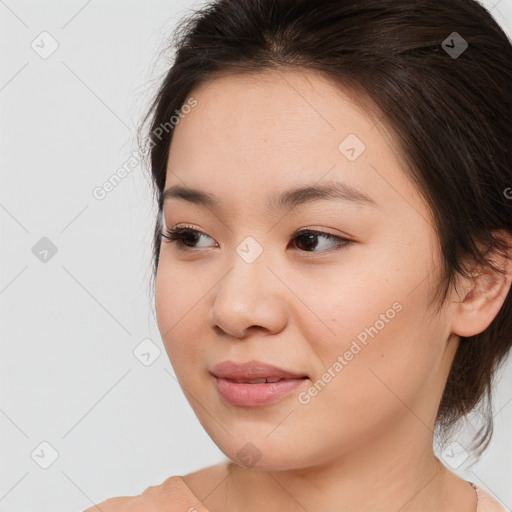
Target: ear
pixel 479 299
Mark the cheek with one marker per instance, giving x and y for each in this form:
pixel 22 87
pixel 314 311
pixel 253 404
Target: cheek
pixel 346 307
pixel 362 386
pixel 178 295
pixel 178 308
pixel 363 329
pixel 379 294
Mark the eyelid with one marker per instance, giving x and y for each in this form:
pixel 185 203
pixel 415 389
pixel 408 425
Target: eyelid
pixel 316 229
pixel 322 230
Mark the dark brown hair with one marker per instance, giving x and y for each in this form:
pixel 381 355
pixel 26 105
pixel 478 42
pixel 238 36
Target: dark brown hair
pixel 450 117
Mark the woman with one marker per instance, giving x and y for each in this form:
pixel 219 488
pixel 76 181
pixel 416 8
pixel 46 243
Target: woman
pixel 332 253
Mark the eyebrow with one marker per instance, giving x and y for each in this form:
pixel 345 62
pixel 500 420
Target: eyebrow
pixel 334 190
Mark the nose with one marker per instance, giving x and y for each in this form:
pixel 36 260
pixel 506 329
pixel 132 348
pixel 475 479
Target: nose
pixel 250 298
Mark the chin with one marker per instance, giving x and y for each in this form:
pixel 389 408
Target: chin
pixel 263 455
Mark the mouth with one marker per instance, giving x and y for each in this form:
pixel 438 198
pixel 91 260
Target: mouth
pixel 253 372
pixel 268 380
pixel 254 384
pixel 256 392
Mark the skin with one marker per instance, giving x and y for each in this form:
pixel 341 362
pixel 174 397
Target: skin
pixel 364 442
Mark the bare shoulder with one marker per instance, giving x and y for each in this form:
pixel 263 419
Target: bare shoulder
pixel 167 496
pixel 125 503
pixel 155 498
pixel 202 481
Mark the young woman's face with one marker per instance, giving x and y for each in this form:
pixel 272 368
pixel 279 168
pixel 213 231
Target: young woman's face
pixel 354 317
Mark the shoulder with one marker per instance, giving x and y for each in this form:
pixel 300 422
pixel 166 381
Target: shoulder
pixel 175 494
pixel 486 502
pixel 169 496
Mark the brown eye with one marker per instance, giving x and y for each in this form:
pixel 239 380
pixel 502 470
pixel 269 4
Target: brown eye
pixel 307 240
pixel 184 237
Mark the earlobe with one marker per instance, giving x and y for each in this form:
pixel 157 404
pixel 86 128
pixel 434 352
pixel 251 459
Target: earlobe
pixel 481 298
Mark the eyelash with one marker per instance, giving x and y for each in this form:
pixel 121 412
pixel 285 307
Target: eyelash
pixel 177 235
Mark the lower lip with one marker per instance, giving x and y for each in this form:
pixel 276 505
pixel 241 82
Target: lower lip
pixel 254 395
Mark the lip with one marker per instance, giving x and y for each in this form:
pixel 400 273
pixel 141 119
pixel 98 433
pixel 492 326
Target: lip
pixel 257 394
pixel 252 370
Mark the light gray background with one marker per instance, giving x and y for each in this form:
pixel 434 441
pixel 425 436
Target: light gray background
pixel 68 373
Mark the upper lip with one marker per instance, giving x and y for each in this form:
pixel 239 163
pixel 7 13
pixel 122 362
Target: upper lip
pixel 252 370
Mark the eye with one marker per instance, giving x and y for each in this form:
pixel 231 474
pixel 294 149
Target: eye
pixel 183 236
pixel 308 236
pixel 186 238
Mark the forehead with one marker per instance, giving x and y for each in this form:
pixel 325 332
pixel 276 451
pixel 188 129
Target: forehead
pixel 282 110
pixel 250 135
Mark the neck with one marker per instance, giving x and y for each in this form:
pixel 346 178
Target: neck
pixel 398 473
